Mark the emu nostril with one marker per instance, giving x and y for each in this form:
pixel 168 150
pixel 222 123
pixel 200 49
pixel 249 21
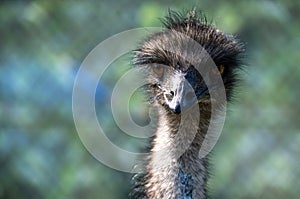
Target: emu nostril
pixel 169 96
pixel 189 96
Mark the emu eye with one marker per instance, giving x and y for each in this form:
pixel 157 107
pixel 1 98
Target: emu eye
pixel 158 70
pixel 220 70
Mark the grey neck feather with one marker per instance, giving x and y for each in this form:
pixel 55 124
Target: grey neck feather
pixel 186 185
pixel 171 175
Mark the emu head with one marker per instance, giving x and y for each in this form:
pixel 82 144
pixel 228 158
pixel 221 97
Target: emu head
pixel 178 62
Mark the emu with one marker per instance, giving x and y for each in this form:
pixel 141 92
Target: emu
pixel 176 88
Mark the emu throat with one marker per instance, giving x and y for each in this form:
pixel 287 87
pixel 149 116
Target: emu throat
pixel 174 168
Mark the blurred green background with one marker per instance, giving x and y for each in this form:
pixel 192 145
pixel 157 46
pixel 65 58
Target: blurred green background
pixel 42 46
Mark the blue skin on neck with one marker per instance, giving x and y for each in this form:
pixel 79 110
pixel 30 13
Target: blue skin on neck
pixel 185 184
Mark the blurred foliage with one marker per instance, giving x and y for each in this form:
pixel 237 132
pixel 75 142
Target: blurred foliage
pixel 42 46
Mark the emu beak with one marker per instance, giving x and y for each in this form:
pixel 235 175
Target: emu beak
pixel 183 97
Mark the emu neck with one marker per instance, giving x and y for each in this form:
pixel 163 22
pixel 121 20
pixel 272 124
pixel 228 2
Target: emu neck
pixel 175 169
